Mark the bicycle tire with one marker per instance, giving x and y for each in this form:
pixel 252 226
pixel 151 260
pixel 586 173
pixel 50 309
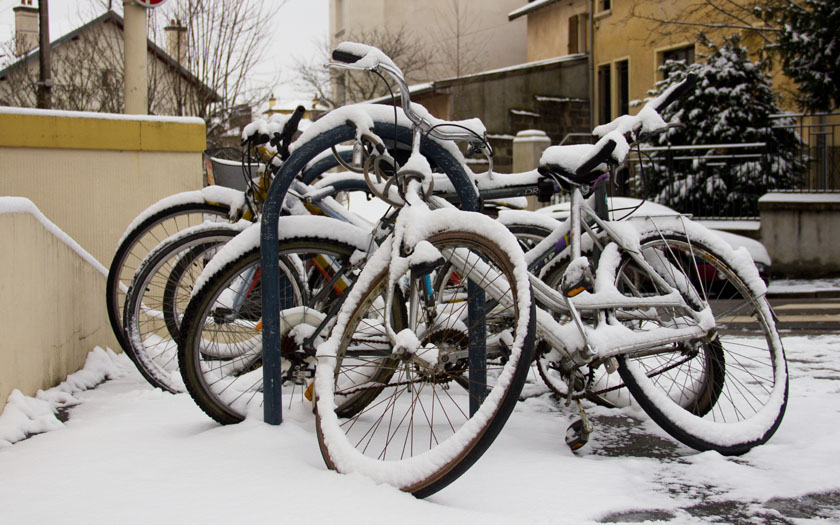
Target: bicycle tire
pixel 136 244
pixel 208 344
pixel 450 451
pixel 735 396
pixel 151 317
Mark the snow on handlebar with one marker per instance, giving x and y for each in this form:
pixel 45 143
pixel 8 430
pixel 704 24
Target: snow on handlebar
pixel 362 56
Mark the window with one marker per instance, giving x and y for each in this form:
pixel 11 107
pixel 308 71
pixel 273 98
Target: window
pixel 603 5
pixel 681 53
pixel 622 86
pixel 577 33
pixel 604 95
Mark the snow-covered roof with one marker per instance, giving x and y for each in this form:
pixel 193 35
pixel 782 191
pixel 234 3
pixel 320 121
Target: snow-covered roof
pixel 531 7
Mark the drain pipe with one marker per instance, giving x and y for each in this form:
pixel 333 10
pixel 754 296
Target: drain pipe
pixel 591 39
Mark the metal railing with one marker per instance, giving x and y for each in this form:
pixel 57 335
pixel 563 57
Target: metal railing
pixel 671 174
pixel 820 136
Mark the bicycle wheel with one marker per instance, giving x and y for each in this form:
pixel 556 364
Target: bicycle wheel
pixel 439 403
pixel 149 229
pixel 728 390
pixel 158 295
pixel 220 350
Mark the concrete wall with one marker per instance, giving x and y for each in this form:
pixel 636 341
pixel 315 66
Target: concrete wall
pixel 490 95
pixel 549 95
pixel 801 233
pixel 89 174
pixel 52 306
pixel 92 174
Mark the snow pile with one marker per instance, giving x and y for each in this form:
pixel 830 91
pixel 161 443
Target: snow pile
pixel 24 416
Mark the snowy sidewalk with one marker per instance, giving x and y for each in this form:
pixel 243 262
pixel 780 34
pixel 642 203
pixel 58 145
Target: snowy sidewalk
pixel 804 288
pixel 131 454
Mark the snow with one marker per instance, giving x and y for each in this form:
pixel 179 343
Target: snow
pixel 310 225
pixel 369 56
pixel 24 205
pixel 132 454
pixel 525 9
pixel 810 198
pixel 234 199
pixel 783 286
pixel 96 115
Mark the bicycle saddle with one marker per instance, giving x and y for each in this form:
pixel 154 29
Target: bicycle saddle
pixel 580 164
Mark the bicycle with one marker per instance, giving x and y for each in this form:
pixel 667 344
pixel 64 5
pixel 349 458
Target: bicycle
pixel 150 346
pixel 645 302
pixel 179 212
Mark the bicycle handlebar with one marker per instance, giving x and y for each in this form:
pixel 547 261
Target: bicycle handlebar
pixel 352 55
pixel 281 140
pixel 345 57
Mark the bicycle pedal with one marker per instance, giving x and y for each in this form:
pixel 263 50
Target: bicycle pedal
pixel 576 435
pixel 424 259
pixel 577 278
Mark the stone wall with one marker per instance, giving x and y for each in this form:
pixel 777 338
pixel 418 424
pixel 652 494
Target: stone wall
pixel 801 232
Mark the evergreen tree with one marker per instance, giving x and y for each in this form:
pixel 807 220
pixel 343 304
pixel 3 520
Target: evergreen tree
pixel 808 44
pixel 731 104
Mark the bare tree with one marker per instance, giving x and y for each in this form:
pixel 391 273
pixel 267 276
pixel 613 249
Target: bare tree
pixel 225 40
pixel 459 46
pixel 337 87
pixel 714 18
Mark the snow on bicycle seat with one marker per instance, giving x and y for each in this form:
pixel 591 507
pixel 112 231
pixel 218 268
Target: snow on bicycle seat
pixel 567 161
pixel 584 163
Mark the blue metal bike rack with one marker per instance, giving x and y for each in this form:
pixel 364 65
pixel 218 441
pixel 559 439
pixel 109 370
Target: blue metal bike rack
pixel 275 289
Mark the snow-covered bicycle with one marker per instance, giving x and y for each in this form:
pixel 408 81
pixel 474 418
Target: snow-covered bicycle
pixel 649 310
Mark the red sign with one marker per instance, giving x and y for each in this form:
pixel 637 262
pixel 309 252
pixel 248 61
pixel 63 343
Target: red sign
pixel 150 3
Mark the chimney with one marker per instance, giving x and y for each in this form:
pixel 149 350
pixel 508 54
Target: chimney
pixel 26 27
pixel 176 41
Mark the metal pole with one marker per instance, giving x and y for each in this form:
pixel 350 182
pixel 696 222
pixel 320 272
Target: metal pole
pixel 591 38
pixel 134 48
pixel 44 78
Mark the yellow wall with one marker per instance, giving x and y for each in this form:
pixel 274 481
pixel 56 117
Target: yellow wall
pixel 548 29
pixel 52 306
pixel 618 36
pixel 92 175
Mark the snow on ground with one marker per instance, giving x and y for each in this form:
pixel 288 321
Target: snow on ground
pixel 133 454
pixel 803 285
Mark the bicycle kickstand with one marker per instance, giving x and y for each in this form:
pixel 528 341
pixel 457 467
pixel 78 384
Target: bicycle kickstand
pixel 578 432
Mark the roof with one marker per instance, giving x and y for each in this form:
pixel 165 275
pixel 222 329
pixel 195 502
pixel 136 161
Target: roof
pixel 110 16
pixel 529 8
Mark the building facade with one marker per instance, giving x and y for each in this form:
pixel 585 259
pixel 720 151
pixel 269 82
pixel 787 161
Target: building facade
pixel 461 36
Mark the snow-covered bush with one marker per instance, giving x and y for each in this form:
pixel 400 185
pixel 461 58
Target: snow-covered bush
pixel 731 104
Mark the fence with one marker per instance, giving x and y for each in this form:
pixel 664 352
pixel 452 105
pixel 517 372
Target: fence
pixel 726 180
